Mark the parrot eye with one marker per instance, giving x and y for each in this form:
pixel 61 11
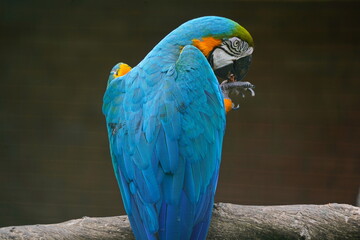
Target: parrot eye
pixel 236 46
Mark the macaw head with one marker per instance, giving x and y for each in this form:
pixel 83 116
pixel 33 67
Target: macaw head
pixel 229 56
pixel 228 48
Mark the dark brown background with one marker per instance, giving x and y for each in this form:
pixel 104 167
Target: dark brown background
pixel 297 141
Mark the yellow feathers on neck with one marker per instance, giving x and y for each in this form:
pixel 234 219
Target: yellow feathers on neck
pixel 228 104
pixel 206 44
pixel 123 69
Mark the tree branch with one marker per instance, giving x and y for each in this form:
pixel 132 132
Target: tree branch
pixel 230 221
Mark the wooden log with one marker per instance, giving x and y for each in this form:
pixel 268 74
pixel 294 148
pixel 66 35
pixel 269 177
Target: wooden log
pixel 230 221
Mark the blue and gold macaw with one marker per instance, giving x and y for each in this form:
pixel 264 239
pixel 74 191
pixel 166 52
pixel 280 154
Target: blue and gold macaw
pixel 166 122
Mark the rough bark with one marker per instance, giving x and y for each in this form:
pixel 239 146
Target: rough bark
pixel 230 221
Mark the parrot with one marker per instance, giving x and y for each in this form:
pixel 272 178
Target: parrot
pixel 166 121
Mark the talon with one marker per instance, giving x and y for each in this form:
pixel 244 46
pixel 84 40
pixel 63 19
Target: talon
pixel 223 82
pixel 232 78
pixel 235 88
pixel 252 92
pixel 235 108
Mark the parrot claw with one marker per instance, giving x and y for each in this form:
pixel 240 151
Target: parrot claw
pixel 223 82
pixel 251 91
pixel 235 108
pixel 236 88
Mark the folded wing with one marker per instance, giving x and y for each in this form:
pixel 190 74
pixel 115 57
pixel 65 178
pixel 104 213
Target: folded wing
pixel 165 131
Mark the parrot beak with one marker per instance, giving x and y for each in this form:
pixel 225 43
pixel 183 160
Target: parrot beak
pixel 235 71
pixel 241 67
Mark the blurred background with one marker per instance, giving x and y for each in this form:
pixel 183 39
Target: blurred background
pixel 296 142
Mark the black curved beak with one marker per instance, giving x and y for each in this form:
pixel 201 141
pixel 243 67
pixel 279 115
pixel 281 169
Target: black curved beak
pixel 235 71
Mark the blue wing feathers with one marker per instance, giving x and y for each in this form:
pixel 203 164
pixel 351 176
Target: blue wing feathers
pixel 166 122
pixel 162 220
pixel 173 153
pixel 136 221
pixel 141 163
pixel 187 214
pixel 162 151
pixel 190 188
pixel 125 193
pixel 173 184
pixel 145 150
pixel 173 228
pixel 152 185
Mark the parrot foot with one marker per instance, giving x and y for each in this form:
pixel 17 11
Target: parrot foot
pixel 236 88
pixel 227 86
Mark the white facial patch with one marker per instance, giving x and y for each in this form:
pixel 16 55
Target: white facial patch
pixel 230 51
pixel 221 58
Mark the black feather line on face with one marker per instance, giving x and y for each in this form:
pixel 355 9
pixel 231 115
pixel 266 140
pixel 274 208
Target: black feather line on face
pixel 236 46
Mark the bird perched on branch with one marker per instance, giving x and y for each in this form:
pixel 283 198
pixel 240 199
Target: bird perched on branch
pixel 166 122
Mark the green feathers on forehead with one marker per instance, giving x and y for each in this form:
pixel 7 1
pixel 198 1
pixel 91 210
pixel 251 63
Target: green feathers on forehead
pixel 241 32
pixel 237 31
